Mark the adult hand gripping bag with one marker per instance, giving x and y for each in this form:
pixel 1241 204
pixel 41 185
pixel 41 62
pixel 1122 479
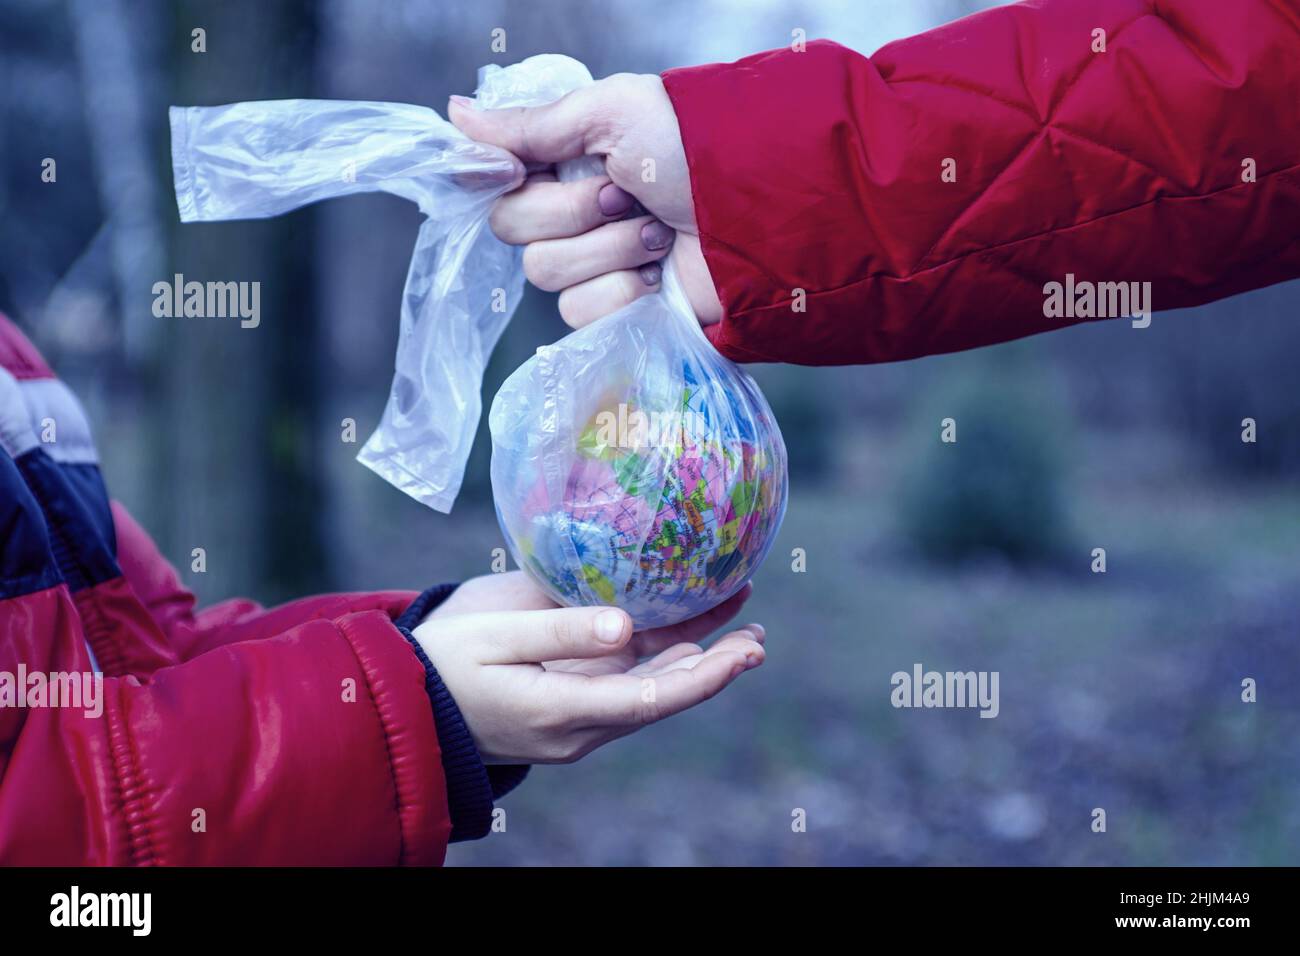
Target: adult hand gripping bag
pixel 632 465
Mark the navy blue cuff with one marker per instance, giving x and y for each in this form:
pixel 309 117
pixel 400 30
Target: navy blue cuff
pixel 471 787
pixel 504 777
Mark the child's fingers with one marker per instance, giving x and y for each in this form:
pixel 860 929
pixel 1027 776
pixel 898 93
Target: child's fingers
pixel 665 659
pixel 631 701
pixel 746 641
pixel 696 629
pixel 519 637
pixel 680 688
pixel 740 642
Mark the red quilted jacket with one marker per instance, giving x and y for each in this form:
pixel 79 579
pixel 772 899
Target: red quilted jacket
pixel 1173 157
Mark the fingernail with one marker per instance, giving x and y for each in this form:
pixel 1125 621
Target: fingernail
pixel 757 630
pixel 655 235
pixel 614 201
pixel 609 627
pixel 463 101
pixel 651 273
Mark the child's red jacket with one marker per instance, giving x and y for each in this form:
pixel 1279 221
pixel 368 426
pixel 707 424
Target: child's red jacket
pixel 313 733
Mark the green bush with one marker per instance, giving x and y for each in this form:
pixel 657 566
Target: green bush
pixel 998 489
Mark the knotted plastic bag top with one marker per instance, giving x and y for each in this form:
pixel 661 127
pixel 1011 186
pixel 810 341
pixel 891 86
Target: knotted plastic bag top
pixel 259 159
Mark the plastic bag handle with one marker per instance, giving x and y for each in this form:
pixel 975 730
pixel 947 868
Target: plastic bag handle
pixel 259 159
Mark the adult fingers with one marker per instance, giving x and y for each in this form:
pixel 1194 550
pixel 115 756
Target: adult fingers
pixel 546 209
pixel 556 264
pixel 604 295
pixel 495 168
pixel 575 125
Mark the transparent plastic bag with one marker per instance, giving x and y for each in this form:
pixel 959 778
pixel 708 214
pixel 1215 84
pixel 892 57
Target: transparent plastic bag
pixel 634 465
pixel 631 463
pixel 259 159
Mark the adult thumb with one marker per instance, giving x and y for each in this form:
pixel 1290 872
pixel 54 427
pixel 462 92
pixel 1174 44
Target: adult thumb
pixel 570 127
pixel 518 637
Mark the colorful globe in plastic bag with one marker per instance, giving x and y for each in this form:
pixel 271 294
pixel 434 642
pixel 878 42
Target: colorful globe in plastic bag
pixel 634 466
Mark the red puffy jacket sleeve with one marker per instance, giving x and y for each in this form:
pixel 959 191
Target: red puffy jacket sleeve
pixel 316 746
pixel 304 734
pixel 185 631
pixel 1171 157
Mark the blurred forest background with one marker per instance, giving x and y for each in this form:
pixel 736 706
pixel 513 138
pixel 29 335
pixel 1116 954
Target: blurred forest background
pixel 1119 690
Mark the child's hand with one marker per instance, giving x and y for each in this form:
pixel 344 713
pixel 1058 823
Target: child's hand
pixel 541 684
pixel 580 241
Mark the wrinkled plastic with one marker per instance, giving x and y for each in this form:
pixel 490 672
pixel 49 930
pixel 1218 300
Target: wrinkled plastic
pixel 632 464
pixel 259 159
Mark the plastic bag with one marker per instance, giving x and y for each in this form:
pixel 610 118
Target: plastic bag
pixel 259 159
pixel 631 463
pixel 634 465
